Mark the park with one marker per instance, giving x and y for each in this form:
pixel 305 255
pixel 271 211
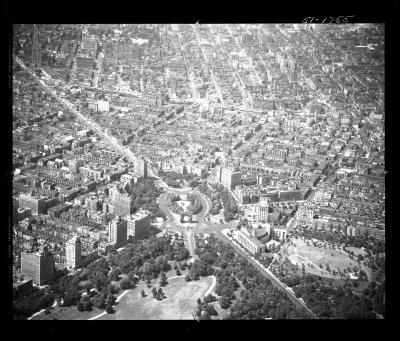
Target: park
pixel 323 260
pixel 179 303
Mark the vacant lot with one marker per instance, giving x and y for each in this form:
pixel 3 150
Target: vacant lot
pixel 180 301
pixel 313 257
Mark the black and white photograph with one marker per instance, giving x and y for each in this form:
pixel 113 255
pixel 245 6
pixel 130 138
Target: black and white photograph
pixel 198 171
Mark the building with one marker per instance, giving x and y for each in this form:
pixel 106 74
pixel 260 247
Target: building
pixel 252 244
pixel 21 213
pixel 103 106
pixel 281 233
pixel 121 201
pixel 230 178
pixel 304 216
pixel 38 266
pixel 117 232
pixel 141 167
pixel 89 43
pixel 351 231
pixel 263 179
pixel 73 252
pixel 139 224
pixel 22 287
pixel 36 54
pixel 262 209
pixel 84 63
pixel 36 204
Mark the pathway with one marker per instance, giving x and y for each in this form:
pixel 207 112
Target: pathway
pixel 210 289
pixel 117 300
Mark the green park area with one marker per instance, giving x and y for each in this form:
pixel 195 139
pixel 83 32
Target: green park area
pixel 179 302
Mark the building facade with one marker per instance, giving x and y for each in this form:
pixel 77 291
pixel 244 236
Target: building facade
pixel 117 232
pixel 139 224
pixel 73 252
pixel 252 244
pixel 229 178
pixel 38 266
pixel 36 204
pixel 121 202
pixel 262 209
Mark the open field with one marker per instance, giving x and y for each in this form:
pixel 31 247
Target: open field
pixel 180 301
pixel 68 313
pixel 315 256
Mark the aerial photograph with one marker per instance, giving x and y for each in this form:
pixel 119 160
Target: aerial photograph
pixel 197 171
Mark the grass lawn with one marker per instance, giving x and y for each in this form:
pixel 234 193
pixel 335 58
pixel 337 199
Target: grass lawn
pixel 68 313
pixel 314 256
pixel 180 301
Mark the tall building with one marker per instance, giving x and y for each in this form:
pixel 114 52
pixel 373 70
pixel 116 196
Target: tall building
pixel 117 232
pixel 121 201
pixel 38 266
pixel 73 252
pixel 103 106
pixel 141 167
pixel 304 216
pixel 138 224
pixel 35 203
pixel 230 178
pixel 261 210
pixel 36 54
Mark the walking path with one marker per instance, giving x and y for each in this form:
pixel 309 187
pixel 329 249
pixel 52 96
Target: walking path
pixel 117 300
pixel 210 289
pixel 35 314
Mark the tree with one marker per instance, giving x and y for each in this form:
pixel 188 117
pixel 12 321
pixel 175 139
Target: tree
pixel 211 310
pixel 87 303
pixel 80 306
pixel 143 293
pixel 125 284
pixel 206 316
pixel 163 279
pixel 110 299
pixel 198 301
pixel 178 273
pixel 209 298
pixel 109 309
pixel 98 301
pixel 225 302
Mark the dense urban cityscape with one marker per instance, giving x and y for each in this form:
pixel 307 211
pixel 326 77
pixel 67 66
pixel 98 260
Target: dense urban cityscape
pixel 198 171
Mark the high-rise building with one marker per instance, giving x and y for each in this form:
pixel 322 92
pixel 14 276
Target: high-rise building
pixel 73 252
pixel 117 232
pixel 103 106
pixel 139 224
pixel 38 266
pixel 230 178
pixel 140 167
pixel 36 54
pixel 261 210
pixel 121 201
pixel 35 203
